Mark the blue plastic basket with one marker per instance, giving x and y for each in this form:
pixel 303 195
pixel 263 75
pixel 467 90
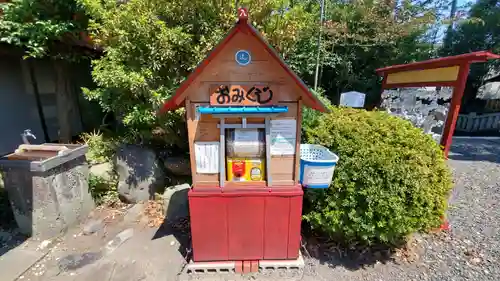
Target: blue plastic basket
pixel 317 165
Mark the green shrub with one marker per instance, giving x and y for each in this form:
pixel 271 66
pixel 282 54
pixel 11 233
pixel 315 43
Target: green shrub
pixel 100 149
pixel 311 116
pixel 103 191
pixel 391 179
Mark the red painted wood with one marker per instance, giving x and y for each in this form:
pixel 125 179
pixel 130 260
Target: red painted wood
pixel 294 227
pixel 209 228
pixel 246 191
pixel 480 56
pixel 275 247
pixel 241 222
pixel 242 14
pixel 246 227
pixel 456 101
pixel 464 62
pixel 384 82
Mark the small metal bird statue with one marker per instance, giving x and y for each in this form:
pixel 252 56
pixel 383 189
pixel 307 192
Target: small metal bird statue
pixel 27 133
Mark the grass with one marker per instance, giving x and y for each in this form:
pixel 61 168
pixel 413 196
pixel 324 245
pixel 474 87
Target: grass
pixel 103 191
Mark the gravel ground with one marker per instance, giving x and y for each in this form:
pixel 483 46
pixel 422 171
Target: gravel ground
pixel 469 251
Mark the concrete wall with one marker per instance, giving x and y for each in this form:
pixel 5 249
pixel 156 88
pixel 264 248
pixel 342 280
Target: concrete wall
pixel 18 109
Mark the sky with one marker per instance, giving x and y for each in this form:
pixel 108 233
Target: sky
pixel 461 6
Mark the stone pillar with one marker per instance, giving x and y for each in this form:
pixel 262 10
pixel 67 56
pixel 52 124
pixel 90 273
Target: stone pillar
pixel 46 203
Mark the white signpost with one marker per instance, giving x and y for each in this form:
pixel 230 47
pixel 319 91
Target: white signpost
pixel 352 99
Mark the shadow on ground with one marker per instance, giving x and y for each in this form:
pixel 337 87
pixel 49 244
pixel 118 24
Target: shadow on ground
pixel 334 254
pixel 9 235
pixel 176 223
pixel 475 149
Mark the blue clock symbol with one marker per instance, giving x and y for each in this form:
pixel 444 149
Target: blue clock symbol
pixel 243 57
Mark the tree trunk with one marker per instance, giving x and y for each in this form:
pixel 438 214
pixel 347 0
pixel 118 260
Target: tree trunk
pixel 448 39
pixel 64 102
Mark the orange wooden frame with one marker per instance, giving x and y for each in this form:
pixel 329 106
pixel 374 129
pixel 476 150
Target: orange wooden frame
pixel 457 81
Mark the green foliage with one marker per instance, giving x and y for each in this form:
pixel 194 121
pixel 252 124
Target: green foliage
pixel 152 45
pixel 101 149
pixel 480 31
pixel 391 180
pixel 310 117
pixel 362 36
pixel 103 191
pixel 38 26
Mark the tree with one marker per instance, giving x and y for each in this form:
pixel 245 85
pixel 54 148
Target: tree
pixel 47 28
pixel 364 35
pixel 152 45
pixel 479 31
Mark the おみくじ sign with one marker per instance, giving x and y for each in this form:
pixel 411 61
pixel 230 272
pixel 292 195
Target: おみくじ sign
pixel 224 95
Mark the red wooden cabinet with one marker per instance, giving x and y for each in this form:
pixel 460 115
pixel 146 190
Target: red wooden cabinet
pixel 245 225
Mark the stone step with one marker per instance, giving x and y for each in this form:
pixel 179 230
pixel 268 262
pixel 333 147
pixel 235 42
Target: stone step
pixel 230 266
pixel 296 264
pixel 210 267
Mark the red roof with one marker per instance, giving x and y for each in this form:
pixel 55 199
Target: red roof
pixel 177 100
pixel 481 56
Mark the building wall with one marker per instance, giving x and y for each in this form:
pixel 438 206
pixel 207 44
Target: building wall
pixel 46 83
pixel 18 109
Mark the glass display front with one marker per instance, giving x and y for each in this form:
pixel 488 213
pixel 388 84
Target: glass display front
pixel 245 155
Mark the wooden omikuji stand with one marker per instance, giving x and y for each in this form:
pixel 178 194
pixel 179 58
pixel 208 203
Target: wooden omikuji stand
pixel 244 210
pixel 445 72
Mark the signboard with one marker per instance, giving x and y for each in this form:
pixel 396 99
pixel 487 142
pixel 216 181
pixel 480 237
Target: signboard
pixel 247 95
pixel 283 136
pixel 407 104
pixel 352 99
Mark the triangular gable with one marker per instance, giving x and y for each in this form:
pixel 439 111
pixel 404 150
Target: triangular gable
pixel 242 26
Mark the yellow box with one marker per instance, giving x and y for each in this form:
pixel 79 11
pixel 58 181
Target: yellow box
pixel 245 169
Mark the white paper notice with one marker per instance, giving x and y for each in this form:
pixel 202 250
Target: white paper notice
pixel 207 157
pixel 317 175
pixel 283 136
